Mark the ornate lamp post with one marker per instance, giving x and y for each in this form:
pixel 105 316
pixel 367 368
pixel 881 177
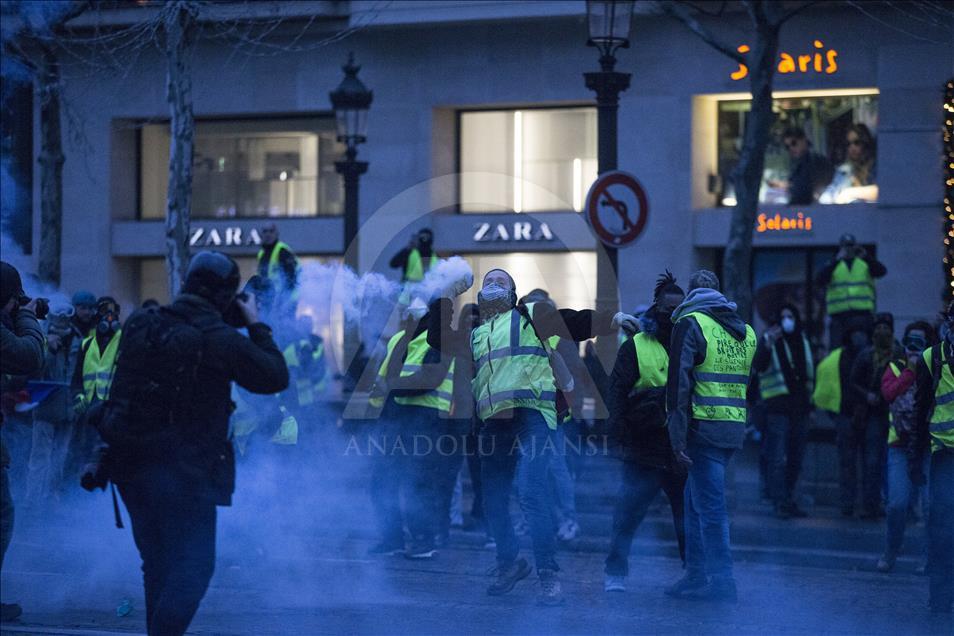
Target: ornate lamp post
pixel 609 23
pixel 351 101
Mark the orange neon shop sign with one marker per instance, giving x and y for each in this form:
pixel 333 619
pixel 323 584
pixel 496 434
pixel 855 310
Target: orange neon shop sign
pixel 799 223
pixel 819 60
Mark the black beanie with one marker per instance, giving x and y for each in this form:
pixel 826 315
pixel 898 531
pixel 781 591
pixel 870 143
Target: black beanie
pixel 10 284
pixel 884 318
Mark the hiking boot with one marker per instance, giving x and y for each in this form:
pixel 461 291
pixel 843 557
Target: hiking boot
pixel 386 548
pixel 507 577
pixel 420 551
pixel 685 584
pixel 568 531
pixel 716 590
pixel 551 592
pixel 885 563
pixel 614 583
pixel 10 612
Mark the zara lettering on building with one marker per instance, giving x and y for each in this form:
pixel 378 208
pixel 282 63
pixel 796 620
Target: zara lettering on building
pixel 224 237
pixel 512 232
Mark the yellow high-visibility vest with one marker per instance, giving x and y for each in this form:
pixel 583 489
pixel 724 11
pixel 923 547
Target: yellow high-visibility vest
pixel 827 394
pixel 851 288
pixel 99 367
pixel 440 398
pixel 772 380
pixel 941 424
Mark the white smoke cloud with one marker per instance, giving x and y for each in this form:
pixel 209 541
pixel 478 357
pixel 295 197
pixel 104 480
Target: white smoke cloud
pixel 449 277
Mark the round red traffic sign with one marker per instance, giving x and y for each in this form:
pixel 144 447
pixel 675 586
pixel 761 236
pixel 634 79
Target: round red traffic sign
pixel 617 208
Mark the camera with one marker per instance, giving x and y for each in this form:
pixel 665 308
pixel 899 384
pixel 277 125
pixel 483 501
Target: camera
pixel 42 307
pixel 233 315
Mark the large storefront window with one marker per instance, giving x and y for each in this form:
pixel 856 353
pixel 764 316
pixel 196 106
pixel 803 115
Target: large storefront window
pixel 248 168
pixel 532 160
pixel 823 149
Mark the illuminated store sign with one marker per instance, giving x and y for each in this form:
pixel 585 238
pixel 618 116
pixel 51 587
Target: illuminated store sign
pixel 818 61
pixel 798 224
pixel 518 231
pixel 226 237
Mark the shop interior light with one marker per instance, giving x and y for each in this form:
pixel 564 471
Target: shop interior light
pixel 518 161
pixel 577 184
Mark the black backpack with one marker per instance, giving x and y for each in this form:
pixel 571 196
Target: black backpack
pixel 153 385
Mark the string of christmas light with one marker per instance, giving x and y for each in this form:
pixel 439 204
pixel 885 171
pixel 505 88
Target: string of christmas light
pixel 949 187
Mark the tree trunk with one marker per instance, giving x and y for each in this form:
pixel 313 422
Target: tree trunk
pixel 180 31
pixel 51 167
pixel 737 263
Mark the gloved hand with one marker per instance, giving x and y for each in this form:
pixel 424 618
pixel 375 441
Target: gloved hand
pixel 79 404
pixel 94 477
pixel 627 322
pixel 380 388
pixel 459 286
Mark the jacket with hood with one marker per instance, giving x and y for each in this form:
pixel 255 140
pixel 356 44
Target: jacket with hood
pixel 638 420
pixel 794 369
pixel 21 353
pixel 688 350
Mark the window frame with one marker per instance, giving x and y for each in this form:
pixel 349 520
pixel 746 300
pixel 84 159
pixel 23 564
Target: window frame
pixel 237 118
pixel 458 151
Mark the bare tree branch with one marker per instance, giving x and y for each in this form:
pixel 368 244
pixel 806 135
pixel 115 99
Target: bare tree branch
pixel 680 12
pixel 791 13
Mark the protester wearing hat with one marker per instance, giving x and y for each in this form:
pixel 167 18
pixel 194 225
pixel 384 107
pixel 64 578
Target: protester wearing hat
pixel 21 353
pixel 84 312
pixel 870 417
pixel 850 288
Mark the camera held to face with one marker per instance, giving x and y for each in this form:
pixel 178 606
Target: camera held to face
pixel 41 308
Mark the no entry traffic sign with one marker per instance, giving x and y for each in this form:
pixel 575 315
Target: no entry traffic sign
pixel 617 208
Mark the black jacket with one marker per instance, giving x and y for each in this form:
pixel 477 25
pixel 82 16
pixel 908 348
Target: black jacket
pixel 255 363
pixel 638 420
pixel 865 378
pixel 794 370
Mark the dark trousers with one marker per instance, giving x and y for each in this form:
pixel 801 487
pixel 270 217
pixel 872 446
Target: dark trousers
pixel 785 438
pixel 941 529
pixel 385 483
pixel 421 464
pixel 175 534
pixel 868 441
pixel 449 446
pixel 473 467
pixel 640 486
pixel 502 444
pixel 6 512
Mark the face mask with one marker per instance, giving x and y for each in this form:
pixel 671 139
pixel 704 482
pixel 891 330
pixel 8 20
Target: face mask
pixel 914 344
pixel 107 325
pixel 416 311
pixel 493 292
pixel 788 325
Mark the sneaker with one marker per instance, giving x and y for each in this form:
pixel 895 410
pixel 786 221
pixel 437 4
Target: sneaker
pixel 885 563
pixel 508 576
pixel 551 592
pixel 614 583
pixel 10 612
pixel 420 552
pixel 685 584
pixel 721 591
pixel 490 544
pixel 568 531
pixel 386 549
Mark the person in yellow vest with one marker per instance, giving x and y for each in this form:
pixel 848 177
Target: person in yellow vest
pixel 417 258
pixel 934 429
pixel 786 371
pixel 420 381
pixel 637 409
pixel 305 357
pixel 278 263
pixel 898 388
pixel 709 375
pixel 515 392
pixel 833 395
pixel 849 280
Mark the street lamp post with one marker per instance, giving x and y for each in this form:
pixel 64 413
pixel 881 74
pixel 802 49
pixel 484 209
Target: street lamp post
pixel 351 101
pixel 608 22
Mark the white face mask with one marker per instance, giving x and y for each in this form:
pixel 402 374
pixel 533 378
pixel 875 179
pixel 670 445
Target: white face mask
pixel 493 291
pixel 788 325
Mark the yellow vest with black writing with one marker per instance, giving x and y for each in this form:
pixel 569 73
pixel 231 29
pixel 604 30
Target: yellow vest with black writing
pixel 941 424
pixel 893 436
pixel 274 267
pixel 99 367
pixel 772 380
pixel 652 360
pixel 851 288
pixel 305 388
pixel 827 394
pixel 512 368
pixel 414 269
pixel 440 398
pixel 378 402
pixel 722 378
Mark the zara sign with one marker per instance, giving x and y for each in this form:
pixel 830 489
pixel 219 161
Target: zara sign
pixel 223 237
pixel 523 231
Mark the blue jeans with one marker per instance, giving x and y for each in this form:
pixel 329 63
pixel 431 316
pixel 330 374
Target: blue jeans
pixel 901 492
pixel 562 485
pixel 941 529
pixel 785 438
pixel 641 484
pixel 504 442
pixel 707 519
